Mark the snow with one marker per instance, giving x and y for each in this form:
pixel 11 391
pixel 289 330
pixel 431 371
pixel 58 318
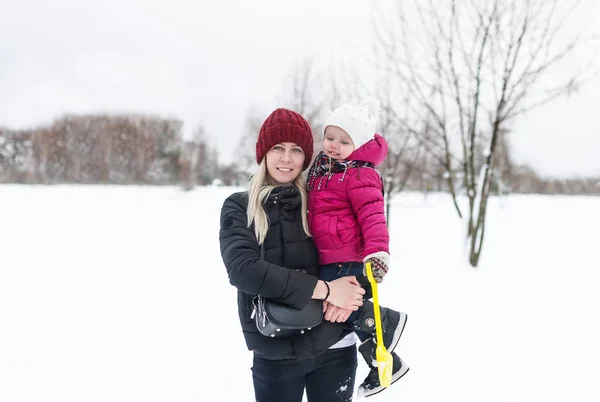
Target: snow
pixel 119 294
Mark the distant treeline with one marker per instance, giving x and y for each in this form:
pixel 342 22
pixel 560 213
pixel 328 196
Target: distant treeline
pixel 143 149
pixel 105 149
pixel 520 179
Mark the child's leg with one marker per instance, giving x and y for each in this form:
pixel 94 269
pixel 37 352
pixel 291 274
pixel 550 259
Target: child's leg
pixel 334 271
pixel 363 321
pixel 392 323
pixel 356 269
pixel 329 272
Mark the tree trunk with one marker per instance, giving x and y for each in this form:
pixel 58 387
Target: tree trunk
pixel 478 231
pixel 388 199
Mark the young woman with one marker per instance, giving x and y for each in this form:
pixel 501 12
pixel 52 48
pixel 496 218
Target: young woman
pixel 270 220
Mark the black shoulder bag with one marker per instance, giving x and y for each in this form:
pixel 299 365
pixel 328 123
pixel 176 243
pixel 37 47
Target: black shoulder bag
pixel 277 319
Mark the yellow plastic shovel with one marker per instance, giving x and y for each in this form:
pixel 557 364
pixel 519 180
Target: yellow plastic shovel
pixel 385 361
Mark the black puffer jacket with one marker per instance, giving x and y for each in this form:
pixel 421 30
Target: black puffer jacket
pixel 288 273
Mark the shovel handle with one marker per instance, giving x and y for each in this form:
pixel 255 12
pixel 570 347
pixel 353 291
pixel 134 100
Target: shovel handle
pixel 375 303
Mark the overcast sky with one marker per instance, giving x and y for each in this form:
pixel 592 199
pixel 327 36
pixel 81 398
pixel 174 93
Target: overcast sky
pixel 208 61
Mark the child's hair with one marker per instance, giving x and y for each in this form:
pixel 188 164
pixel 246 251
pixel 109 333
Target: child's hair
pixel 258 191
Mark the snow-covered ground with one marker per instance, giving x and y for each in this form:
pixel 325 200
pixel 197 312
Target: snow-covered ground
pixel 119 294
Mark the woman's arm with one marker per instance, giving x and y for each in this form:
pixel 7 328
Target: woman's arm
pixel 322 290
pixel 247 271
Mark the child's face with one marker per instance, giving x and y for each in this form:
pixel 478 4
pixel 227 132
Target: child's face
pixel 337 144
pixel 284 162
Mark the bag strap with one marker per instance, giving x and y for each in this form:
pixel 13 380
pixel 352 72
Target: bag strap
pixel 256 297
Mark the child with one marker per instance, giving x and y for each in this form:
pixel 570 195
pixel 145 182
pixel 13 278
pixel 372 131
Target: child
pixel 347 221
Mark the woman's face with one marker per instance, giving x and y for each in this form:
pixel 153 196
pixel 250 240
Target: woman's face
pixel 337 144
pixel 284 162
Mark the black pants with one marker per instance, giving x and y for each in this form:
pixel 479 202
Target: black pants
pixel 327 378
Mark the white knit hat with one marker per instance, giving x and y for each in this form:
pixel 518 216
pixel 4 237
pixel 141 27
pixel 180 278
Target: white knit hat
pixel 357 119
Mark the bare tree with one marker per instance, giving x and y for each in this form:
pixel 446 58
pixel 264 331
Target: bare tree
pixel 403 151
pixel 190 157
pixel 246 148
pixel 301 91
pixel 204 159
pixel 469 69
pixel 15 156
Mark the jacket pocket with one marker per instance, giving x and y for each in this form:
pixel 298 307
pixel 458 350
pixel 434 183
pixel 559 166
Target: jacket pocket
pixel 334 233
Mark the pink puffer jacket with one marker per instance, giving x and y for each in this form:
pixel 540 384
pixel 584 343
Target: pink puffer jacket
pixel 346 215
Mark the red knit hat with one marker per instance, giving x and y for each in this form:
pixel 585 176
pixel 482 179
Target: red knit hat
pixel 285 125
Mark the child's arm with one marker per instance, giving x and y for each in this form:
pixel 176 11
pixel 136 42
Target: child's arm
pixel 366 198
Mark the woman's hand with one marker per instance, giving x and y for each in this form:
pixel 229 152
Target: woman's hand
pixel 346 293
pixel 335 314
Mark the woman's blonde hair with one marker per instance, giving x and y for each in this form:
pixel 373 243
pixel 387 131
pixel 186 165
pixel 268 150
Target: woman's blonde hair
pixel 259 190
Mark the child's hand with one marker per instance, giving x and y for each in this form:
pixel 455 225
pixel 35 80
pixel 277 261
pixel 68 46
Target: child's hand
pixel 379 264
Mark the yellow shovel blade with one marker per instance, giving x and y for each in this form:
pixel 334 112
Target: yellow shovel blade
pixel 385 365
pixel 385 361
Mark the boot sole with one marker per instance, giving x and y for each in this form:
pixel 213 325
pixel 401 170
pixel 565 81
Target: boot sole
pixel 398 332
pixel 361 393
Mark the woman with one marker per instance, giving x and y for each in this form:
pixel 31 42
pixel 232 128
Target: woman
pixel 271 218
